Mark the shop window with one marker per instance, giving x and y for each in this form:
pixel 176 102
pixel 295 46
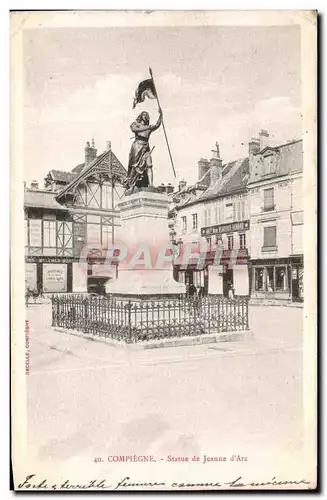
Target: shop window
pixel 270 279
pixel 268 199
pixel 242 241
pixel 269 236
pixel 198 278
pixel 258 279
pixel 230 242
pixel 194 222
pixel 280 278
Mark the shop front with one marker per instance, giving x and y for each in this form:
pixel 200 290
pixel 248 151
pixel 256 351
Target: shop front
pixel 297 293
pixel 195 279
pixel 217 276
pixel 49 274
pixel 277 279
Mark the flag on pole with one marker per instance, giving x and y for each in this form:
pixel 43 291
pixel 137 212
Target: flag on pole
pixel 144 89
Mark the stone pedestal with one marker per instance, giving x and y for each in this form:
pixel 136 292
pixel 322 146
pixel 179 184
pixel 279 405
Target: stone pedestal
pixel 146 269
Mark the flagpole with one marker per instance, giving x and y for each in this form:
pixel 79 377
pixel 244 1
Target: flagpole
pixel 163 125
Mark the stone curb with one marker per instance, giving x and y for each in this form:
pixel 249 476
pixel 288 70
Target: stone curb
pixel 240 335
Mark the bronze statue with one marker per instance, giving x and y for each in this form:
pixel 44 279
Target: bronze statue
pixel 139 172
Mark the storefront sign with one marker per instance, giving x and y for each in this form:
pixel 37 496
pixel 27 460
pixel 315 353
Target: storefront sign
pixel 225 228
pixel 30 276
pixel 35 232
pixel 54 277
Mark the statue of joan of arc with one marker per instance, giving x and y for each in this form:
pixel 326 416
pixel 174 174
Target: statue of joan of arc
pixel 140 172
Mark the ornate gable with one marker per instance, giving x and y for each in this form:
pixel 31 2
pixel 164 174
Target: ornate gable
pixel 106 168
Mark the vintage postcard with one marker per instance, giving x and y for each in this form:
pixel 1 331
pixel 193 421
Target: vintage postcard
pixel 163 250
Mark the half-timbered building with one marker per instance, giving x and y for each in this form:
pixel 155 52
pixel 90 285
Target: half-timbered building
pixel 71 222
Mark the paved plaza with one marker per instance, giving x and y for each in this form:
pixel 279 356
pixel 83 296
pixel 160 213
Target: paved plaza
pixel 87 398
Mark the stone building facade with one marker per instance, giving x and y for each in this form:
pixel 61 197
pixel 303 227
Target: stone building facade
pixel 276 219
pixel 218 216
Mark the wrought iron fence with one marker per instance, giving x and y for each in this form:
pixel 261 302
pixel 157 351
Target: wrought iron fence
pixel 143 320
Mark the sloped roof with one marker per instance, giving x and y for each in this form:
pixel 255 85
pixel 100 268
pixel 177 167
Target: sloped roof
pixel 102 160
pixel 41 199
pixel 62 176
pixel 286 159
pixel 234 178
pixel 78 168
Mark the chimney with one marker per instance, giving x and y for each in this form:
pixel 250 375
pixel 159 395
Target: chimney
pixel 203 167
pixel 216 165
pixel 90 152
pixel 169 188
pixel 161 188
pixel 254 145
pixel 108 146
pixel 24 184
pixel 34 185
pixel 264 139
pixel 181 185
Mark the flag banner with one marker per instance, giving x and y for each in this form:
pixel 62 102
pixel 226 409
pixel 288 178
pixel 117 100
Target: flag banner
pixel 144 89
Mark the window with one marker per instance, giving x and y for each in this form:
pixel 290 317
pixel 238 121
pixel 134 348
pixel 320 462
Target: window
pixel 106 196
pixel 270 279
pixel 198 278
pixel 49 233
pixel 26 231
pixel 209 241
pixel 269 236
pixel 242 214
pixel 242 241
pixel 280 278
pixel 93 234
pixel 237 210
pixel 207 217
pixel 106 236
pixel 35 232
pixel 258 279
pixel 229 212
pixel 194 222
pixel 216 215
pixel 184 224
pixel 230 242
pixel 268 199
pixel 219 240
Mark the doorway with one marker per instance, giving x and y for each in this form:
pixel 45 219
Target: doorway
pixel 228 280
pixel 297 283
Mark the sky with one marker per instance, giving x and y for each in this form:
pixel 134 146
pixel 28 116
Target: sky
pixel 215 83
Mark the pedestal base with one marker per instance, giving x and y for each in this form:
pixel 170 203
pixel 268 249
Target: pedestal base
pixel 144 224
pixel 136 282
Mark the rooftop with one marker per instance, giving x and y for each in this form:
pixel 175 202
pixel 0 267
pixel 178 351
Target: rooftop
pixel 39 198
